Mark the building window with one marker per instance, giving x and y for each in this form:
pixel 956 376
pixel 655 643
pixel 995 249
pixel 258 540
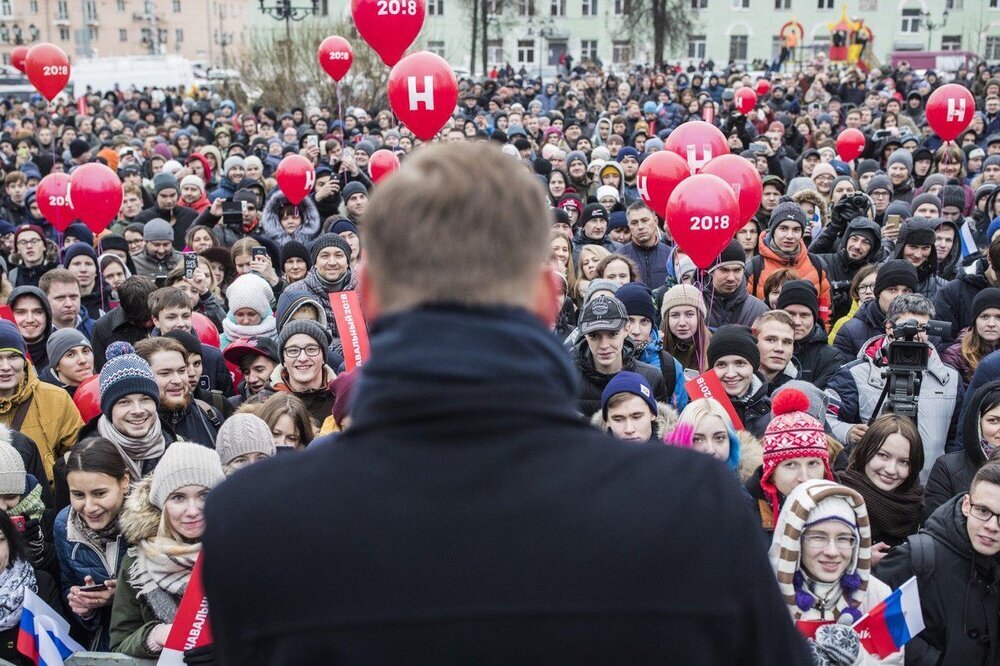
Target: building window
pixel 557 8
pixel 911 21
pixel 739 4
pixel 33 6
pixel 525 7
pixel 621 52
pixel 954 4
pixel 782 4
pixel 696 47
pixel 179 35
pixel 994 4
pixel 824 4
pixel 699 4
pixel 436 47
pixel 951 42
pixel 90 10
pixel 494 51
pixel 92 33
pixel 526 51
pixel 122 35
pixel 494 7
pixel 120 5
pixel 435 8
pixel 161 36
pixel 623 7
pixel 62 11
pixel 64 33
pixel 177 6
pixel 588 49
pixel 588 8
pixel 992 48
pixel 5 8
pixel 737 47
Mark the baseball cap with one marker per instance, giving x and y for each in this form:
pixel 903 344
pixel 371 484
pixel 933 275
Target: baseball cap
pixel 603 314
pixel 256 346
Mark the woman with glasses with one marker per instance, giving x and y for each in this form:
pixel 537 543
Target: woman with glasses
pixel 303 371
pixel 821 554
pixel 980 339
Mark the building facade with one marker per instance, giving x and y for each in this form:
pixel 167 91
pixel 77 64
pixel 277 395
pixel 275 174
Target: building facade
pixel 534 34
pixel 208 31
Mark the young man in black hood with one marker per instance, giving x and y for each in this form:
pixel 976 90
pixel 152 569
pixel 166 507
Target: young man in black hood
pixel 859 246
pixel 34 320
pixel 916 246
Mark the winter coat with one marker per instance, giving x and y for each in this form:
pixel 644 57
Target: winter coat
pixel 114 327
pixel 439 426
pixel 318 402
pixel 664 421
pixel 754 409
pixel 592 381
pixel 841 268
pixel 952 356
pixel 817 360
pixel 225 190
pixel 953 301
pixel 199 422
pixel 760 267
pixel 23 276
pixel 80 557
pixel 739 307
pixel 314 285
pixel 952 473
pixel 959 591
pixel 652 262
pixel 180 217
pixel 855 390
pixel 147 265
pixel 868 322
pixel 270 222
pixel 579 240
pixel 948 267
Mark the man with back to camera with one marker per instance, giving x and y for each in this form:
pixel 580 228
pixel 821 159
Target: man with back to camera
pixel 488 523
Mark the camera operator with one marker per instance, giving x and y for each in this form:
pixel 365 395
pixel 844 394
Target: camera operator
pixel 856 388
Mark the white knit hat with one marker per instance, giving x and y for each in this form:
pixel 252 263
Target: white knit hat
pixel 192 179
pixel 607 191
pixel 250 291
pixel 184 464
pixel 241 434
pixel 12 474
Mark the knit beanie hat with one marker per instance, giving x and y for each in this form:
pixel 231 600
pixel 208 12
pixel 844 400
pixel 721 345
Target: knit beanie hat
pixel 305 327
pixel 926 198
pixel 192 179
pixel 819 401
pixel 792 433
pixel 952 195
pixel 241 434
pixel 293 249
pixel 599 284
pixel 185 464
pixel 352 188
pixel 900 156
pixel 250 291
pixel 992 160
pixel 61 341
pixel 683 294
pixel 618 220
pixel 233 161
pixel 799 292
pixel 125 373
pixel 342 225
pixel 607 191
pixel 628 382
pixel 866 166
pixel 824 169
pixel 916 231
pixel 733 340
pixel 12 472
pixel 28 227
pixel 343 389
pixel 786 211
pixel 164 181
pixel 987 298
pixel 78 147
pixel 82 233
pixel 158 229
pixel 592 211
pixel 879 182
pixel 75 250
pixel 896 273
pixel 10 338
pixel 638 300
pixel 899 207
pixel 329 240
pixel 798 184
pixel 731 254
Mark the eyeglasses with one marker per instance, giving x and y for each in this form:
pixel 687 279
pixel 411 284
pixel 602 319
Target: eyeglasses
pixel 135 243
pixel 29 242
pixel 311 350
pixel 868 286
pixel 815 541
pixel 879 194
pixel 983 514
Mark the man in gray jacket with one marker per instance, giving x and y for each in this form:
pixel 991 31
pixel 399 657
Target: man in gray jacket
pixel 728 297
pixel 158 256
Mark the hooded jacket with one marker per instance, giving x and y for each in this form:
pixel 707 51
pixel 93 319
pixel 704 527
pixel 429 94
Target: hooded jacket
pixel 754 409
pixel 664 421
pixel 948 268
pixel 817 360
pixel 959 591
pixel 24 276
pixel 270 222
pixel 929 283
pixel 841 268
pixel 953 302
pixel 37 348
pixel 767 261
pixel 739 307
pixel 592 381
pixel 868 322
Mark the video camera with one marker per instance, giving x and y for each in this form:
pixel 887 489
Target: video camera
pixel 906 360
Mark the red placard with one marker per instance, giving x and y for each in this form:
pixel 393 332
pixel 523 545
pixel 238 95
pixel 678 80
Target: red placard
pixel 707 385
pixel 191 628
pixel 351 327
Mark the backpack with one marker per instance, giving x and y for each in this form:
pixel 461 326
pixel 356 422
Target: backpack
pixel 757 268
pixel 669 371
pixel 922 555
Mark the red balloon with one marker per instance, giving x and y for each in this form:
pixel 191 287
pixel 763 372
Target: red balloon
pixel 697 142
pixel 17 57
pixel 423 92
pixel 949 110
pixel 296 177
pixel 658 175
pixel 96 194
pixel 850 144
pixel 743 177
pixel 745 100
pixel 389 26
pixel 205 330
pixel 762 87
pixel 382 163
pixel 335 57
pixel 87 398
pixel 47 67
pixel 54 200
pixel 703 216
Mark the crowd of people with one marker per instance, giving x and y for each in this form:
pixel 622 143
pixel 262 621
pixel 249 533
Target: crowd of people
pixel 143 365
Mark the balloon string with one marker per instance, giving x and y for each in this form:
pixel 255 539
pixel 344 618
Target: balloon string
pixel 343 131
pixel 100 274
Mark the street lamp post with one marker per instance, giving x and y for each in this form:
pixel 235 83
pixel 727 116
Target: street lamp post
pixel 283 10
pixel 222 40
pixel 933 25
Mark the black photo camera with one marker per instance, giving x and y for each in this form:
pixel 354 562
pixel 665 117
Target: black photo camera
pixel 906 361
pixel 232 212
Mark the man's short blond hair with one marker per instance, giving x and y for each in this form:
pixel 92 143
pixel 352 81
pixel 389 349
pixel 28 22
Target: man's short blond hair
pixel 459 223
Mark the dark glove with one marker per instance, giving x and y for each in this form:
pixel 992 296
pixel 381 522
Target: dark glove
pixel 843 212
pixel 200 655
pixel 838 643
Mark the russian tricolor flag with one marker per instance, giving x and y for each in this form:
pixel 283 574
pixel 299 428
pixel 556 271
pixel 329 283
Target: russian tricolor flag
pixel 44 635
pixel 967 238
pixel 891 624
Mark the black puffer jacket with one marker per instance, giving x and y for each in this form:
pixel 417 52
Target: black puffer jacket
pixel 868 322
pixel 953 302
pixel 929 283
pixel 592 382
pixel 841 268
pixel 817 360
pixel 952 473
pixel 948 267
pixel 755 409
pixel 959 592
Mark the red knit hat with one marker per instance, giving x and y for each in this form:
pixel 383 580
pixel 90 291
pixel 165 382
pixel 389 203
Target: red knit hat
pixel 792 433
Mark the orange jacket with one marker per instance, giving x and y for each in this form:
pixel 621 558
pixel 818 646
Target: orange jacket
pixel 768 261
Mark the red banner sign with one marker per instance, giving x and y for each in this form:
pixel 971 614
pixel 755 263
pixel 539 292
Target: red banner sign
pixel 191 628
pixel 351 327
pixel 707 385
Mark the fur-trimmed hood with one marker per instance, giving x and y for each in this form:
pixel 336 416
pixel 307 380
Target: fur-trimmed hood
pixel 270 221
pixel 666 419
pixel 140 519
pixel 816 199
pixel 751 454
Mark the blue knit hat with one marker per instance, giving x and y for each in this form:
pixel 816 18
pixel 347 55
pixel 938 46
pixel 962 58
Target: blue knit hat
pixel 75 250
pixel 627 382
pixel 10 338
pixel 342 225
pixel 638 300
pixel 125 373
pixel 627 151
pixel 618 220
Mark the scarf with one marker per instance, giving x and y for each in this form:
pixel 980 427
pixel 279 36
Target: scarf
pixel 893 514
pixel 101 537
pixel 234 331
pixel 13 580
pixel 134 450
pixel 161 572
pixel 331 287
pixel 30 505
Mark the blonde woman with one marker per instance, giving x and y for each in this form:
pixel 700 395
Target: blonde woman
pixel 588 261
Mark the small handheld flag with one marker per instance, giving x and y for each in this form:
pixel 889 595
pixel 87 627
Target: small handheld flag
pixel 44 635
pixel 893 622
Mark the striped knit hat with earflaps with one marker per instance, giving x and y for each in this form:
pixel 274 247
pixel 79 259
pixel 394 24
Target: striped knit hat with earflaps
pixel 811 502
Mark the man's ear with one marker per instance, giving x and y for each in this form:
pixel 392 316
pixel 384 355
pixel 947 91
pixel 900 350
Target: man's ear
pixel 545 299
pixel 371 308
